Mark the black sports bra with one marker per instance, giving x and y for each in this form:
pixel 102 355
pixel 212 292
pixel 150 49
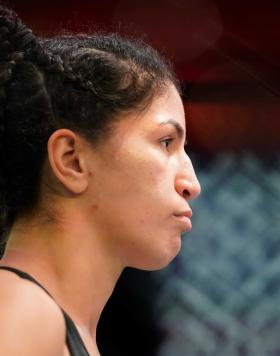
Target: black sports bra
pixel 74 342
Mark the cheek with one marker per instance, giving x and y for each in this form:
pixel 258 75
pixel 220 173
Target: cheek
pixel 136 172
pixel 145 182
pixel 134 187
pixel 133 207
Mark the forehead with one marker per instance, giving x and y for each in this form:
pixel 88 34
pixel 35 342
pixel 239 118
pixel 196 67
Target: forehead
pixel 166 108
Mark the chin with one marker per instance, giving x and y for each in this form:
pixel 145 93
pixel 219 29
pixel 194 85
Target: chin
pixel 159 260
pixel 158 265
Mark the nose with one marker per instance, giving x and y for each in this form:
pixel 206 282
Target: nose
pixel 186 183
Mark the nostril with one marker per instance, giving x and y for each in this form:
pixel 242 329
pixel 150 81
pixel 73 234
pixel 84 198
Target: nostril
pixel 186 193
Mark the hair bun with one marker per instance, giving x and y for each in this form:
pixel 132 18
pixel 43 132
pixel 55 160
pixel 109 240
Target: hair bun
pixel 15 36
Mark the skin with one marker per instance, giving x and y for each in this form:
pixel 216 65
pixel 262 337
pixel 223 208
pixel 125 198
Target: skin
pixel 112 206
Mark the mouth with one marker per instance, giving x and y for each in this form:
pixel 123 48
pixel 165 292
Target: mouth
pixel 187 213
pixel 184 219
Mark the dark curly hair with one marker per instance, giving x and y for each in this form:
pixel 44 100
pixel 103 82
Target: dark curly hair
pixel 80 82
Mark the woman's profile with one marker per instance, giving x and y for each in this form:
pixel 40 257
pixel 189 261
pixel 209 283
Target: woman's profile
pixel 94 178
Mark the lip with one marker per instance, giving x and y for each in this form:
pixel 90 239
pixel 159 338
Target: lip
pixel 187 213
pixel 184 219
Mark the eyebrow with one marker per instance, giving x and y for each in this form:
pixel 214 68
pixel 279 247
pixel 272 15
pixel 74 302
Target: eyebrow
pixel 179 129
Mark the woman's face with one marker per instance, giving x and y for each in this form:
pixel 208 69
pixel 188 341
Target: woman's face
pixel 140 184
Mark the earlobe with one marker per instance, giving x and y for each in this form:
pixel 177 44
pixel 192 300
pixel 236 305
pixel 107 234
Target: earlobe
pixel 66 158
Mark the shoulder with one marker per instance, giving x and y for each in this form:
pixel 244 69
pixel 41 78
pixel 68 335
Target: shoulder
pixel 30 321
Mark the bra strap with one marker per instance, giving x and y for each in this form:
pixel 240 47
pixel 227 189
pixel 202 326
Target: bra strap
pixel 74 341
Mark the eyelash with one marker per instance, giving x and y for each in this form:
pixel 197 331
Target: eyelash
pixel 167 142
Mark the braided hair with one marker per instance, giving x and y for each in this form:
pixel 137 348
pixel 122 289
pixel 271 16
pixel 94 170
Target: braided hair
pixel 81 82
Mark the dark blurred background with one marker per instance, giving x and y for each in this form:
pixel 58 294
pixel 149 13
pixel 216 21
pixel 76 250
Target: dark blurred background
pixel 220 296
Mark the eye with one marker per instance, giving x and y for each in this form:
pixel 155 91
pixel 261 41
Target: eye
pixel 166 142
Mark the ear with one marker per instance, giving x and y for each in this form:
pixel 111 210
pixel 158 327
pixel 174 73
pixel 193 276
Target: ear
pixel 66 157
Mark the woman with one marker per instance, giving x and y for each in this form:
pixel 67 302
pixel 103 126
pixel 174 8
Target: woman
pixel 94 178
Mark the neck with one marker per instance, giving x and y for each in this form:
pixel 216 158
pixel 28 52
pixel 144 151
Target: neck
pixel 72 263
